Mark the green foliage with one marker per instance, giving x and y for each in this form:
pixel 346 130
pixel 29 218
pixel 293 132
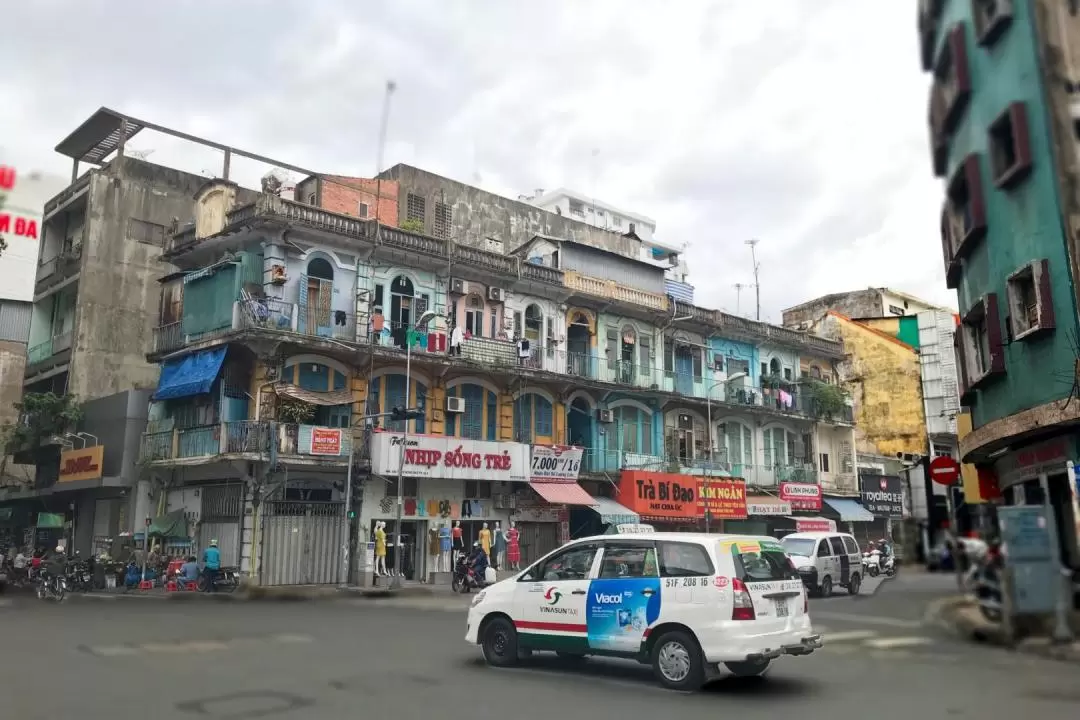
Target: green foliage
pixel 413 225
pixel 43 415
pixel 827 399
pixel 296 412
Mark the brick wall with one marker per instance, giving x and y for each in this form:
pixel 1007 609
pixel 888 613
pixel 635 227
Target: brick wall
pixel 345 194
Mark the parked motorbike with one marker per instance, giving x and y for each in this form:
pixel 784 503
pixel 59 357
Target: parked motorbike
pixel 51 587
pixel 984 580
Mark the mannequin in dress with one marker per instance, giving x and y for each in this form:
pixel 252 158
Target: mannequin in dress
pixel 458 542
pixel 485 540
pixel 500 547
pixel 433 548
pixel 380 549
pixel 444 547
pixel 513 546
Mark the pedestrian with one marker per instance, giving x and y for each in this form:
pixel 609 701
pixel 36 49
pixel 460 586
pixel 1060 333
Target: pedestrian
pixel 211 565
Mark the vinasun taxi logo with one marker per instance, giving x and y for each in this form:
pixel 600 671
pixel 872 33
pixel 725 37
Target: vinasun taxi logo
pixel 552 597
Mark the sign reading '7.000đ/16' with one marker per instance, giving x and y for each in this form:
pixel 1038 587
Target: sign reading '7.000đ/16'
pixel 555 463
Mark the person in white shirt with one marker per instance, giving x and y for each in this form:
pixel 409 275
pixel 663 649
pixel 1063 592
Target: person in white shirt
pixel 20 561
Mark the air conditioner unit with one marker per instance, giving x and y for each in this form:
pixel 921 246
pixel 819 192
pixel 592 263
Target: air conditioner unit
pixel 457 286
pixel 496 294
pixel 455 404
pixel 605 416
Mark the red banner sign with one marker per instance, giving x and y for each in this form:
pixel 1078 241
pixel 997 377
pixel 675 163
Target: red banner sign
pixel 802 496
pixel 682 497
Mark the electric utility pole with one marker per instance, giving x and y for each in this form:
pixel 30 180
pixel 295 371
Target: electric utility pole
pixel 757 284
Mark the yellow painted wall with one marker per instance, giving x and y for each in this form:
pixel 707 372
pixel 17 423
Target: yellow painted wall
pixel 505 427
pixel 883 376
pixel 888 325
pixel 969 476
pixel 359 387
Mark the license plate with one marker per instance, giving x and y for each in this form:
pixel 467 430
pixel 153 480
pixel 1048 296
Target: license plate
pixel 781 608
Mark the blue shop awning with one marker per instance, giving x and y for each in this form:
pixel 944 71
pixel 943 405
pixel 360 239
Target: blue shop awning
pixel 612 513
pixel 849 510
pixel 190 375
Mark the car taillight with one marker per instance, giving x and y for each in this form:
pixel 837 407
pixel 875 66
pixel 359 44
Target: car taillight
pixel 805 602
pixel 743 608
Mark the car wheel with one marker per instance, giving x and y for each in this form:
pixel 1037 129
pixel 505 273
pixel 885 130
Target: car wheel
pixel 854 584
pixel 500 643
pixel 748 669
pixel 826 586
pixel 677 661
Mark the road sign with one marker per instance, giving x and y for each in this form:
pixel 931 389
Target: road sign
pixel 944 470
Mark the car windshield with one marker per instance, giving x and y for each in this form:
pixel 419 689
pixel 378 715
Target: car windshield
pixel 799 546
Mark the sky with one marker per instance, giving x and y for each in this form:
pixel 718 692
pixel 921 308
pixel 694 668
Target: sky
pixel 801 124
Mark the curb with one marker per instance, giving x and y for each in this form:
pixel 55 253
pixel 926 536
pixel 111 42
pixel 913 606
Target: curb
pixel 948 614
pixel 877 588
pixel 267 594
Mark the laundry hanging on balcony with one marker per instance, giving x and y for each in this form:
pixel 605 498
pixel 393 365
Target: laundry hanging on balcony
pixel 324 399
pixel 190 375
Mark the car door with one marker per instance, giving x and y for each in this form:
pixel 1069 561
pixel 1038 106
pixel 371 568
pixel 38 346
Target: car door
pixel 625 598
pixel 853 554
pixel 550 600
pixel 823 561
pixel 689 583
pixel 840 555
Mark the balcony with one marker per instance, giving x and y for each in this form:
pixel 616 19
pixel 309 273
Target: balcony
pixel 44 352
pixel 302 444
pixel 58 268
pixel 611 290
pixel 594 461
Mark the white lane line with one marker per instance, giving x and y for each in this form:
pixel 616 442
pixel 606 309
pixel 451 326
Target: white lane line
pixel 114 650
pixel 849 636
pixel 866 619
pixel 887 643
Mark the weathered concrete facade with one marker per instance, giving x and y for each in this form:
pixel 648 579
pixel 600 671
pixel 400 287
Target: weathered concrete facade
pixel 12 364
pixel 474 216
pixel 883 376
pixel 858 304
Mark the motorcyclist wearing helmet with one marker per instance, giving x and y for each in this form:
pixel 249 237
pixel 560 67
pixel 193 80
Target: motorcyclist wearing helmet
pixel 211 564
pixel 478 561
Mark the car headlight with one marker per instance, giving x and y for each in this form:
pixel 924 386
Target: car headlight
pixel 478 599
pixel 806 568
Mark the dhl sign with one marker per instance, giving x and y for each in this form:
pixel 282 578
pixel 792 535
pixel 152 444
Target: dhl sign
pixel 82 464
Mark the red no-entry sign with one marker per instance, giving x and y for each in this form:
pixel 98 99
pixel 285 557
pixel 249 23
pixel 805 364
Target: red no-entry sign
pixel 944 470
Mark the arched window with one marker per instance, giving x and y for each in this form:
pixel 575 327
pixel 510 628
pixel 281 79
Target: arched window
pixel 480 419
pixel 634 429
pixel 388 392
pixel 738 442
pixel 316 296
pixel 401 302
pixel 320 268
pixel 815 372
pixel 474 315
pixel 534 324
pixel 533 419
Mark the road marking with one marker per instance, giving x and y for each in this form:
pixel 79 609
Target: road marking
pixel 114 650
pixel 887 643
pixel 866 619
pixel 193 647
pixel 849 636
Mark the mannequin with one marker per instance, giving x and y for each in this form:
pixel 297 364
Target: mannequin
pixel 433 547
pixel 513 546
pixel 458 542
pixel 444 546
pixel 485 540
pixel 500 547
pixel 380 549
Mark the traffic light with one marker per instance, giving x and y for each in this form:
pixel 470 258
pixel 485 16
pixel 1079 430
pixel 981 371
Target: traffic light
pixel 400 413
pixel 352 514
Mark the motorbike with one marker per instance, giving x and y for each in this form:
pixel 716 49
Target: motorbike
pixel 871 563
pixel 889 566
pixel 51 587
pixel 226 579
pixel 80 575
pixel 984 581
pixel 465 578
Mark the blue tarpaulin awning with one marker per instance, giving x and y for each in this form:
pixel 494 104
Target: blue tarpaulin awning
pixel 190 375
pixel 849 510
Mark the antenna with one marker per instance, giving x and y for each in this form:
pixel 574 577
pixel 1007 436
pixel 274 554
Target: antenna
pixel 140 154
pixel 738 295
pixel 757 284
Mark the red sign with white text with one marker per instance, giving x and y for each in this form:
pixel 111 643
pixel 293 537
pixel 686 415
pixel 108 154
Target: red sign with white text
pixel 802 496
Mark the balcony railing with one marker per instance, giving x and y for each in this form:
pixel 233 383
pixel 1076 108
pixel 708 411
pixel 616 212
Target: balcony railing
pixel 611 290
pixel 249 437
pixel 43 351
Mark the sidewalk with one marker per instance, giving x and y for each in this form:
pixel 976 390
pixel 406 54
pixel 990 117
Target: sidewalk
pixel 279 593
pixel 961 616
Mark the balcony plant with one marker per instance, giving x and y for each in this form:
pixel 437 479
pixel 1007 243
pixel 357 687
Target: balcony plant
pixel 776 382
pixel 413 225
pixel 42 416
pixel 825 399
pixel 295 412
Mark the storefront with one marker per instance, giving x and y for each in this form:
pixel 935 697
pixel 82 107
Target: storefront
pixel 883 497
pixel 766 515
pixel 679 503
pixel 807 505
pixel 445 481
pixel 851 517
pixel 544 513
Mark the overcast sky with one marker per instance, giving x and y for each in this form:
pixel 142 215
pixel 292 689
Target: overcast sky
pixel 798 123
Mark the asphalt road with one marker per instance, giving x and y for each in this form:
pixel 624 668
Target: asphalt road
pixel 406 659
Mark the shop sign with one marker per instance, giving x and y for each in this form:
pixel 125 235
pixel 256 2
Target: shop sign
pixel 802 496
pixel 681 497
pixel 430 456
pixel 723 499
pixel 18 226
pixel 882 495
pixel 767 508
pixel 555 463
pixel 536 514
pixel 325 441
pixel 85 464
pixel 1047 457
pixel 814 525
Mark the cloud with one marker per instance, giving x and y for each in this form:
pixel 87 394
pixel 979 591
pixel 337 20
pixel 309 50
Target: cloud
pixel 800 124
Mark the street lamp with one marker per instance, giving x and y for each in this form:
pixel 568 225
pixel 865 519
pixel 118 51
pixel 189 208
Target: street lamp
pixel 422 321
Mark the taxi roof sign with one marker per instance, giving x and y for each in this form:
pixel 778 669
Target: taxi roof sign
pixel 630 529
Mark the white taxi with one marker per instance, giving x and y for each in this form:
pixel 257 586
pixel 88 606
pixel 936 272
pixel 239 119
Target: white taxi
pixel 685 603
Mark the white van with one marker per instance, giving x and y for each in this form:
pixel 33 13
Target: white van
pixel 826 560
pixel 685 603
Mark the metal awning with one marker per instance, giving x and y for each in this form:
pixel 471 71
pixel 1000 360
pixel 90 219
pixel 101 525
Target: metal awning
pixel 325 399
pixel 563 493
pixel 612 513
pixel 849 510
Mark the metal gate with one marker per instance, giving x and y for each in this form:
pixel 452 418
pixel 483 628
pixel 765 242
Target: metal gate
pixel 537 540
pixel 219 519
pixel 303 543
